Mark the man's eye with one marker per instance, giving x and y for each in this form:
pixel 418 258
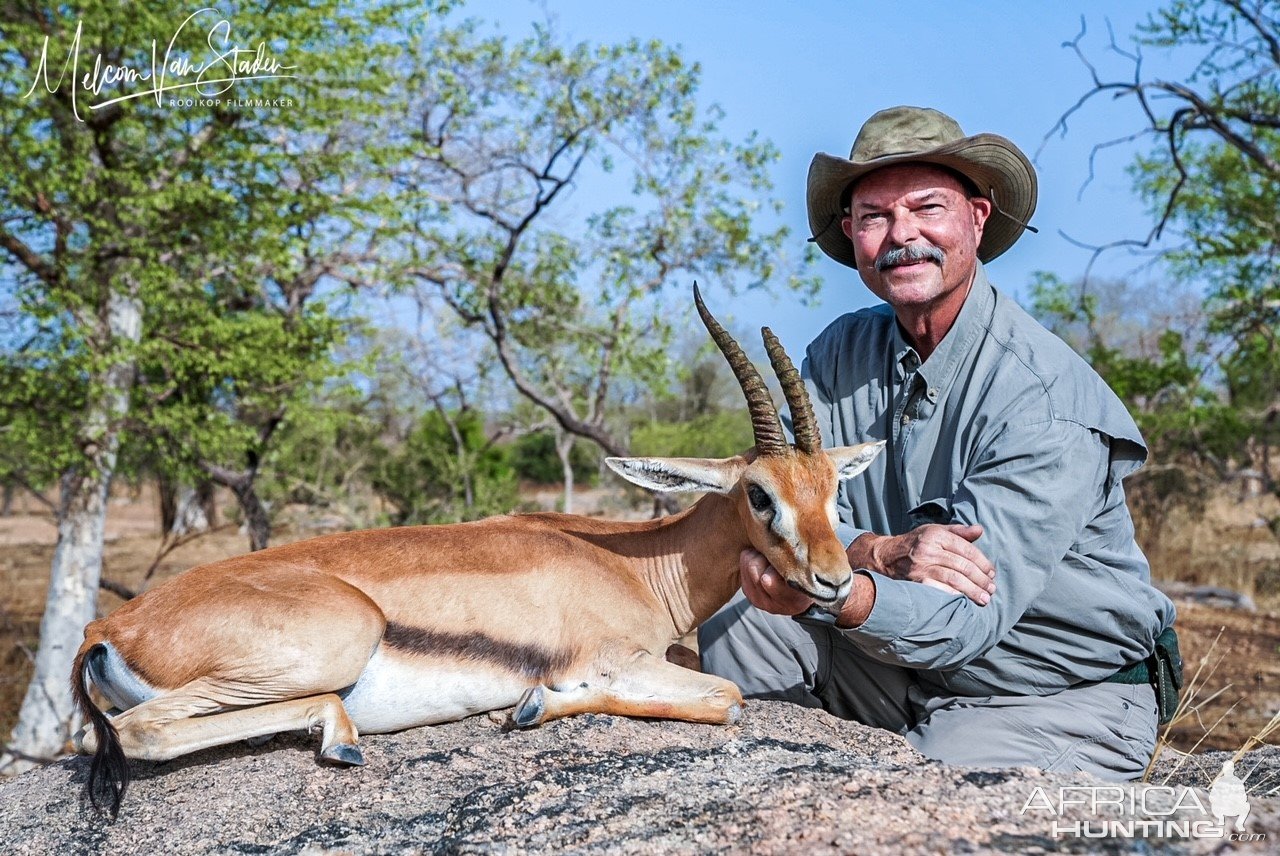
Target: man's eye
pixel 759 500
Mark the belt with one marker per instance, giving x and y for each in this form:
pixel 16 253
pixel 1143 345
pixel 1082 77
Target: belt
pixel 1162 670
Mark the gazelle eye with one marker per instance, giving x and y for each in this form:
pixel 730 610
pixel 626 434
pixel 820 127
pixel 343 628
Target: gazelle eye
pixel 759 500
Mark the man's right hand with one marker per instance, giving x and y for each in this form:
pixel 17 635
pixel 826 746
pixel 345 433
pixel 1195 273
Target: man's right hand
pixel 942 556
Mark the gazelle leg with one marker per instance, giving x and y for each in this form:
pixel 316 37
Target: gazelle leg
pixel 643 686
pixel 188 720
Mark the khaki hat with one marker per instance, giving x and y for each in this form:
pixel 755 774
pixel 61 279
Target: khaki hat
pixel 995 165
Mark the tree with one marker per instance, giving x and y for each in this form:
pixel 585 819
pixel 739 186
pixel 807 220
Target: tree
pixel 128 223
pixel 447 470
pixel 1212 182
pixel 534 457
pixel 578 310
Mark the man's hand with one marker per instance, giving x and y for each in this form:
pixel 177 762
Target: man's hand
pixel 765 587
pixel 942 556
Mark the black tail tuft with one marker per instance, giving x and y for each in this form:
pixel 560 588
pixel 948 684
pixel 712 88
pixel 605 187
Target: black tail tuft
pixel 109 770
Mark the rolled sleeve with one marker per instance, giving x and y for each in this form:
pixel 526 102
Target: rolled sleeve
pixel 845 531
pixel 1033 490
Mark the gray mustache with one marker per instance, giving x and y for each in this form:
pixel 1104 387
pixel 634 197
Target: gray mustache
pixel 910 253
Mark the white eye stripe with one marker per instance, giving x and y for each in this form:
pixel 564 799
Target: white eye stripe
pixel 784 524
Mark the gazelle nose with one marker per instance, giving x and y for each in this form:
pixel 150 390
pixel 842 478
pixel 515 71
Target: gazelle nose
pixel 830 584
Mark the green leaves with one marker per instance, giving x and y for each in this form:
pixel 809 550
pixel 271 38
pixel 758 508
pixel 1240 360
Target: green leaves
pixel 230 224
pixel 446 471
pixel 1212 184
pixel 565 196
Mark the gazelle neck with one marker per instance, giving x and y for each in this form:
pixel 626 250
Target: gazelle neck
pixel 694 570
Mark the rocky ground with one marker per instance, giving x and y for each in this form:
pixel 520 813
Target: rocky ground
pixel 787 780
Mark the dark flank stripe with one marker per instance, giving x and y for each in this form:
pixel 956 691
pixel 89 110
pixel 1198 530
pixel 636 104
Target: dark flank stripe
pixel 531 661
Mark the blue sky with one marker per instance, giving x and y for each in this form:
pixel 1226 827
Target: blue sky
pixel 807 74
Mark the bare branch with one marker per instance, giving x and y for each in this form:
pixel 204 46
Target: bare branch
pixel 29 258
pixel 119 589
pixel 1269 36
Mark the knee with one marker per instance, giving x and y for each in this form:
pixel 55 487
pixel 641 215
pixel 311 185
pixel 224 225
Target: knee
pixel 767 656
pixel 711 632
pixel 722 641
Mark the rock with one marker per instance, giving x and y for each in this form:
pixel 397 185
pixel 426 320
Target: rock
pixel 1213 596
pixel 787 779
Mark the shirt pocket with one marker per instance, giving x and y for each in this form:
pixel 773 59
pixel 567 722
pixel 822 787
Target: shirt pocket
pixel 930 511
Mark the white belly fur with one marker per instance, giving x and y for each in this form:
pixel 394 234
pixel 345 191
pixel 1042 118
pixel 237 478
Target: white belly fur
pixel 398 691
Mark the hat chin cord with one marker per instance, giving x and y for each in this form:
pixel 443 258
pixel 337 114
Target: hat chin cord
pixel 814 238
pixel 991 195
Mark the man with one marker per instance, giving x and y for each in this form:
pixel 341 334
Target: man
pixel 1002 614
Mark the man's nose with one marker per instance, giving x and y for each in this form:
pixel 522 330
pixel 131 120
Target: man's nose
pixel 903 231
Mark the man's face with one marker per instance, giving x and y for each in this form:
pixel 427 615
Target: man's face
pixel 915 234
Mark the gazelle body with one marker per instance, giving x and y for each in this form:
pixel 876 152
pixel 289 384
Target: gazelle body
pixel 388 629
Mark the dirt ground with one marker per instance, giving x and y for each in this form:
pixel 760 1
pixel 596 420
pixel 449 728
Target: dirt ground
pixel 1244 662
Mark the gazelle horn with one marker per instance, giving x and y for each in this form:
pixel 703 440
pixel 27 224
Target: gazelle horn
pixel 764 416
pixel 803 423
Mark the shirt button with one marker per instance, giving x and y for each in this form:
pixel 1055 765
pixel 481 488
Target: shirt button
pixel 906 418
pixel 932 394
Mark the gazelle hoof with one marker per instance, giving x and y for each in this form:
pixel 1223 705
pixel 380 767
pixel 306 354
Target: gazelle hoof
pixel 255 742
pixel 343 753
pixel 733 715
pixel 85 741
pixel 531 708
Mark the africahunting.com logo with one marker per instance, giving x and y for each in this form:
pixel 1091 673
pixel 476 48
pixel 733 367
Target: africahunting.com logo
pixel 1157 811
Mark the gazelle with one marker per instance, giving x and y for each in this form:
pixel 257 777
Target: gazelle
pixel 383 630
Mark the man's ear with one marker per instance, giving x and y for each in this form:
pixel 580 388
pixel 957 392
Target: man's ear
pixel 846 226
pixel 851 460
pixel 669 475
pixel 982 208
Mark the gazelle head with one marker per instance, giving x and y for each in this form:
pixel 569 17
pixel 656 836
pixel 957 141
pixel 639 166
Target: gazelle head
pixel 785 494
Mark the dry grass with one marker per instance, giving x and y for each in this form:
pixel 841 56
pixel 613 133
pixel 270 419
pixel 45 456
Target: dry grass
pixel 1193 706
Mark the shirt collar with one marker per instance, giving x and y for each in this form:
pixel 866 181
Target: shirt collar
pixel 942 364
pixel 905 358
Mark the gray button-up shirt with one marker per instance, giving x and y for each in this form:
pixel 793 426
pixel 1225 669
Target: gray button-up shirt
pixel 1005 426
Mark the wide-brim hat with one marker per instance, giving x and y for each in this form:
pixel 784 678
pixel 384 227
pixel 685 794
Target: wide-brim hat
pixel 998 168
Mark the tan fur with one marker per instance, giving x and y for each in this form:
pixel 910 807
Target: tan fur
pixel 574 612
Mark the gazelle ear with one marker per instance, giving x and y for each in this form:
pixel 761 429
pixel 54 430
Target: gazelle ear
pixel 851 460
pixel 670 475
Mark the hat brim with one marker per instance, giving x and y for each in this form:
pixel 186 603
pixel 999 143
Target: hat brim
pixel 998 168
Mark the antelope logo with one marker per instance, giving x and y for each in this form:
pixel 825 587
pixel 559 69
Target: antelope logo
pixel 383 630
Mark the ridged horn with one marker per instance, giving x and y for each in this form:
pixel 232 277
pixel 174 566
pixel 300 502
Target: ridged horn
pixel 765 424
pixel 803 423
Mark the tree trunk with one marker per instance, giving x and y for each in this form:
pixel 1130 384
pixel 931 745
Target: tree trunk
pixel 256 521
pixel 48 717
pixel 168 493
pixel 188 513
pixel 207 497
pixel 185 509
pixel 564 449
pixel 6 500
